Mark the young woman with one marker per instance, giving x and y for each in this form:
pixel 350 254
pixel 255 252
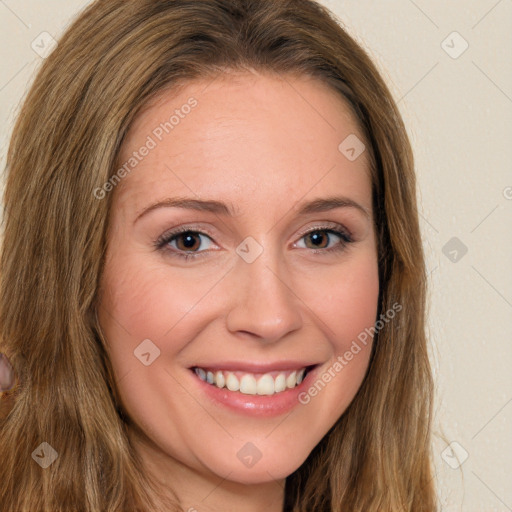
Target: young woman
pixel 212 279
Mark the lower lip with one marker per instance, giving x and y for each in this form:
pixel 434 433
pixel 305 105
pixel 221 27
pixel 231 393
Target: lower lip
pixel 256 405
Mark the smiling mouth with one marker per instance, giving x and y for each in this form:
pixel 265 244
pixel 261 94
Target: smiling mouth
pixel 247 383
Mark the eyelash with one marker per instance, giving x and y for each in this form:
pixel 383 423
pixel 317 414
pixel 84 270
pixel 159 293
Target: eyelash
pixel 166 238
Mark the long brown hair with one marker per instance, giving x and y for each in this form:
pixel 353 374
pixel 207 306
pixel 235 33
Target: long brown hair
pixel 115 57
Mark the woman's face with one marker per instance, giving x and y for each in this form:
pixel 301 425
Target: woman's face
pixel 241 247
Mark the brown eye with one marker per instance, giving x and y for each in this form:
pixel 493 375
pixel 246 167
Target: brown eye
pixel 185 242
pixel 318 239
pixel 189 241
pixel 322 238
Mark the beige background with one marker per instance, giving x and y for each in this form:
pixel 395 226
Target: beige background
pixel 458 111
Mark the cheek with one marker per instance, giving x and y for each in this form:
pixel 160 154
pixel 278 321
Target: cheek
pixel 346 299
pixel 346 313
pixel 159 306
pixel 153 304
pixel 356 306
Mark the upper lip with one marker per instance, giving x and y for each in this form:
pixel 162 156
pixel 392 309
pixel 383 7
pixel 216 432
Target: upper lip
pixel 254 367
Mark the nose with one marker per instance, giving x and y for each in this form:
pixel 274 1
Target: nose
pixel 262 304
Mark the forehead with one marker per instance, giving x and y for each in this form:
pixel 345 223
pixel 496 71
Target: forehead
pixel 240 136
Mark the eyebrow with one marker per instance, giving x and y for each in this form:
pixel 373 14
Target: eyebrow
pixel 220 208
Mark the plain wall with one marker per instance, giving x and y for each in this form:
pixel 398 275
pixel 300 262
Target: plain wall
pixel 457 106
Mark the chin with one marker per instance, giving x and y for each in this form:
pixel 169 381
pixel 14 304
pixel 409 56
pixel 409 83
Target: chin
pixel 256 462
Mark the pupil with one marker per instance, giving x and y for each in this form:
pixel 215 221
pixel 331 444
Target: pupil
pixel 316 238
pixel 189 241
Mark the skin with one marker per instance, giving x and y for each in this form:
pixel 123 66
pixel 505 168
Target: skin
pixel 6 374
pixel 265 145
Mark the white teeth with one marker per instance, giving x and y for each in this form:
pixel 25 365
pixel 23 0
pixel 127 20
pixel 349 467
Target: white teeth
pixel 291 380
pixel 250 384
pixel 201 373
pixel 232 382
pixel 266 385
pixel 280 383
pixel 220 380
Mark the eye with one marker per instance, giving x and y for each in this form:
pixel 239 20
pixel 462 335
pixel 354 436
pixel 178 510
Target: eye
pixel 319 240
pixel 189 243
pixel 184 242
